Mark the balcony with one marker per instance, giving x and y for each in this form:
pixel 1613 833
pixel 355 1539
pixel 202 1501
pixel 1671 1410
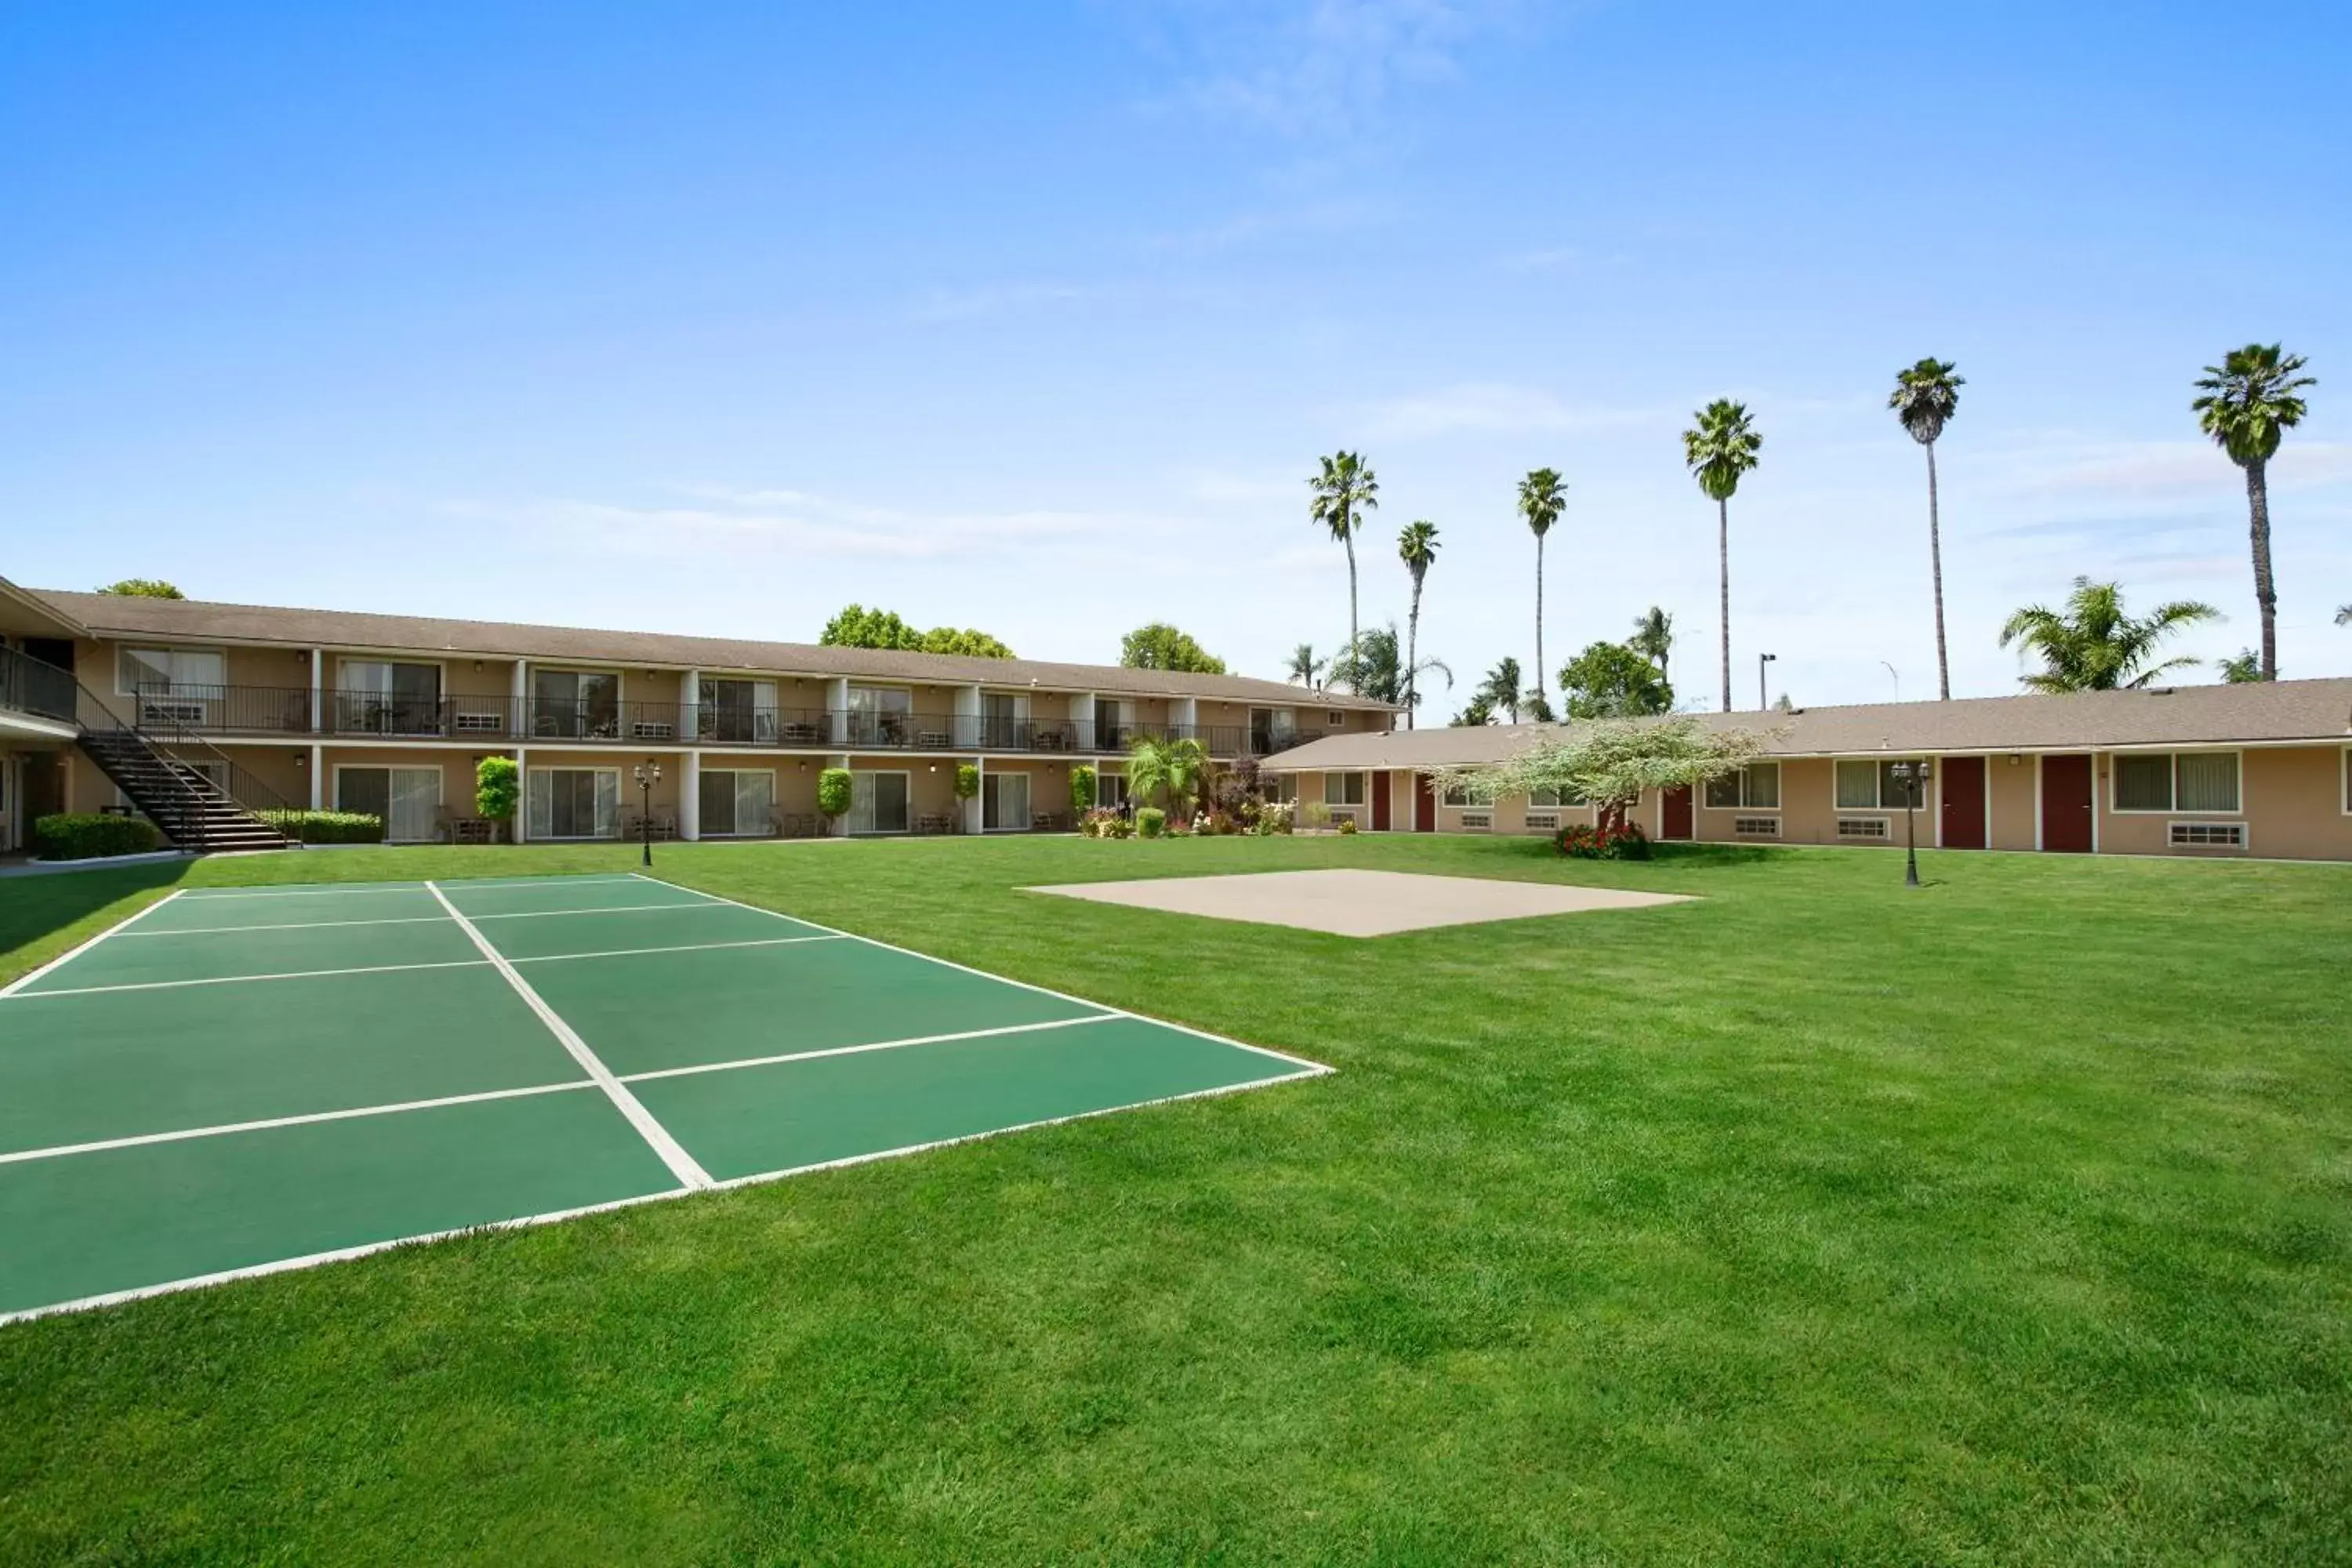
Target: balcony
pixel 30 686
pixel 257 710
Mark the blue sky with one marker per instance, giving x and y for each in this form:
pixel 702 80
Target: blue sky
pixel 1035 318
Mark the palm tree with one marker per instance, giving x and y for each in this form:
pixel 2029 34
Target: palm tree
pixel 1925 398
pixel 2093 646
pixel 2250 401
pixel 1344 489
pixel 1543 496
pixel 1375 668
pixel 2344 616
pixel 1501 688
pixel 1167 768
pixel 1653 639
pixel 1304 666
pixel 1417 547
pixel 1718 450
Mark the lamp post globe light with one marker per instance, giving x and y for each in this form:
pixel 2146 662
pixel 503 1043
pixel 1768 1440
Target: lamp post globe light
pixel 648 775
pixel 1913 777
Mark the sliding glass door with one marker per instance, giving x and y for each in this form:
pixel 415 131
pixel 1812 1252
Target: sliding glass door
pixel 1004 802
pixel 408 801
pixel 738 802
pixel 738 712
pixel 576 704
pixel 573 803
pixel 377 697
pixel 878 802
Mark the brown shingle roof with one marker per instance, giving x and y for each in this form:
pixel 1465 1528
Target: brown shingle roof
pixel 2315 710
pixel 113 615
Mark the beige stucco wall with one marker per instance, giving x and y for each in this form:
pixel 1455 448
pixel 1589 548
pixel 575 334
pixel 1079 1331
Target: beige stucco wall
pixel 2291 799
pixel 2009 789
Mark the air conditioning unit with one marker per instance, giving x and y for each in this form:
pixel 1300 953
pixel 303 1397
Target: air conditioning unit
pixel 1756 827
pixel 2207 835
pixel 1543 821
pixel 1864 828
pixel 480 724
pixel 648 729
pixel 1478 821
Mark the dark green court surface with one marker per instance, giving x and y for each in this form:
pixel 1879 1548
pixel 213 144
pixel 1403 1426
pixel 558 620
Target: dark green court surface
pixel 244 1079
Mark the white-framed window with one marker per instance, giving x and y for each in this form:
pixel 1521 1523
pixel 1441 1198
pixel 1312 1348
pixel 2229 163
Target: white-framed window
pixel 1456 794
pixel 1869 784
pixel 2175 780
pixel 1558 796
pixel 1343 789
pixel 573 802
pixel 1283 789
pixel 1335 720
pixel 1756 787
pixel 142 671
pixel 737 802
pixel 408 801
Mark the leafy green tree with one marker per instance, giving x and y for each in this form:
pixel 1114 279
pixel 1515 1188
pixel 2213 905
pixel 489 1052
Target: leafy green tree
pixel 1717 450
pixel 1475 713
pixel 1161 647
pixel 1654 638
pixel 1344 490
pixel 1543 496
pixel 1417 547
pixel 858 626
pixel 498 790
pixel 2246 670
pixel 836 791
pixel 2094 646
pixel 2249 403
pixel 1168 769
pixel 1536 705
pixel 1611 681
pixel 1375 669
pixel 1304 666
pixel 1612 764
pixel 967 780
pixel 1500 689
pixel 1925 397
pixel 144 588
pixel 1082 789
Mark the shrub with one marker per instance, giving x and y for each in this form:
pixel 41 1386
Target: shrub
pixel 834 790
pixel 1082 790
pixel 1104 823
pixel 1152 822
pixel 1584 841
pixel 1272 818
pixel 1318 814
pixel 967 783
pixel 1346 824
pixel 87 835
pixel 497 789
pixel 329 826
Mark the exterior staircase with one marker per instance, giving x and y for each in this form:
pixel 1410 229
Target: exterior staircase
pixel 190 809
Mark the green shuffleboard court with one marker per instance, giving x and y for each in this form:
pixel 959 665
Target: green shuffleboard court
pixel 238 1081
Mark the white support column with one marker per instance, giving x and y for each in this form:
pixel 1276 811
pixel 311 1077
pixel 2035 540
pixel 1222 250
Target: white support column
pixel 689 715
pixel 523 783
pixel 975 817
pixel 689 798
pixel 1183 716
pixel 1082 711
pixel 522 718
pixel 318 691
pixel 318 778
pixel 967 716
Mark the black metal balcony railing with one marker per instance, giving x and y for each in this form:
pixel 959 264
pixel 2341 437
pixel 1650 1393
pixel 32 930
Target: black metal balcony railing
pixel 30 686
pixel 287 711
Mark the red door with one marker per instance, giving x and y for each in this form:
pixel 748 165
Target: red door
pixel 1676 820
pixel 2066 804
pixel 1424 805
pixel 1964 803
pixel 1379 803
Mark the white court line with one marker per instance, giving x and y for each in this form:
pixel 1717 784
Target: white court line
pixel 681 1164
pixel 689 947
pixel 236 979
pixel 68 956
pixel 609 910
pixel 296 925
pixel 876 1045
pixel 183 1135
pixel 343 1254
pixel 310 890
pixel 1042 990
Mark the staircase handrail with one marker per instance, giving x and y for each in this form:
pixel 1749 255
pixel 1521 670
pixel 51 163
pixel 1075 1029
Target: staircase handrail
pixel 162 733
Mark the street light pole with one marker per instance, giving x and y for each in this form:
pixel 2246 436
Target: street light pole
pixel 648 775
pixel 1913 777
pixel 1763 702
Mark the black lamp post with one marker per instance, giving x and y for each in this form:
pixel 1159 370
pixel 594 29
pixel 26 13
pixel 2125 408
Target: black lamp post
pixel 648 775
pixel 1763 701
pixel 1913 777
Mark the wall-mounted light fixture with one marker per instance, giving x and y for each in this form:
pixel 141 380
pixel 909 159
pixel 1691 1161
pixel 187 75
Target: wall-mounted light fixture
pixel 2014 759
pixel 301 760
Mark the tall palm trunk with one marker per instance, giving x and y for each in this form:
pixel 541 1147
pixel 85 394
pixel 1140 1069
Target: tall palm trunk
pixel 1413 655
pixel 1723 563
pixel 1936 558
pixel 1540 664
pixel 1355 675
pixel 2258 501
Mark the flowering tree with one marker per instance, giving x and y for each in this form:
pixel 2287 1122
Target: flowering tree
pixel 1610 762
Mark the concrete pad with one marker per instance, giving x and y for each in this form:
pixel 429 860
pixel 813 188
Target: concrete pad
pixel 1358 903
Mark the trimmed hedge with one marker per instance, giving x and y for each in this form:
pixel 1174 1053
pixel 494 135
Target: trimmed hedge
pixel 88 836
pixel 326 827
pixel 835 792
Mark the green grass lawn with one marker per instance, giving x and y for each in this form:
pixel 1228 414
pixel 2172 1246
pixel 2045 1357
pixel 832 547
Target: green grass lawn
pixel 2005 1222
